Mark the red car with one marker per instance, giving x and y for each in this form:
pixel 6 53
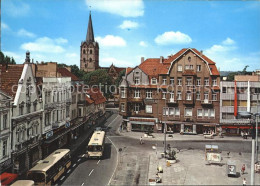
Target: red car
pixel 7 178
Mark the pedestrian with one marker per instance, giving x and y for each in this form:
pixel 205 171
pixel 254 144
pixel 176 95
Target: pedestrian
pixel 244 181
pixel 141 140
pixel 243 169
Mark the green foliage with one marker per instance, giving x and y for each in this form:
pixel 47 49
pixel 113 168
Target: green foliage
pixel 76 71
pixel 62 65
pixel 121 74
pixel 231 76
pixel 100 78
pixel 6 59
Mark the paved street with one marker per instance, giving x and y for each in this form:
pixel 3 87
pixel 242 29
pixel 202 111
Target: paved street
pixel 126 162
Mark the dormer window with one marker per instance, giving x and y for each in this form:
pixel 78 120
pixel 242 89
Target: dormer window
pixel 137 80
pixel 153 81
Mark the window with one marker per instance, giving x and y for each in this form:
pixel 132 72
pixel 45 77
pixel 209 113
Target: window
pixel 172 81
pixel 188 112
pixel 206 96
pixel 122 93
pixel 163 95
pixel 198 68
pixel 199 113
pixel 136 107
pixel 90 59
pixel 137 94
pixel 149 109
pixel 149 94
pixel 137 80
pixel 212 113
pixel 171 111
pixel 214 82
pixel 21 109
pixel 224 90
pixel 4 121
pixel 164 81
pixel 179 95
pixel 84 51
pixel 179 82
pixel 188 67
pixel 198 82
pixel 206 112
pixel 90 51
pixel 34 107
pixel 188 96
pixel 206 81
pixel 171 96
pixel 214 97
pixel 154 81
pixel 189 59
pixel 28 106
pixel 165 111
pixel 189 81
pixel 198 96
pixel 179 68
pixel 4 148
pixel 122 107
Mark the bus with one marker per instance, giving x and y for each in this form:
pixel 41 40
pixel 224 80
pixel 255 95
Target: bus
pixel 48 171
pixel 96 145
pixel 23 183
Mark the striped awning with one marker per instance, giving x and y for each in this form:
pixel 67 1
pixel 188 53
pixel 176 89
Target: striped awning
pixel 142 123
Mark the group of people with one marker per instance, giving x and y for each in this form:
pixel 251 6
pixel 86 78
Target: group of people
pixel 209 131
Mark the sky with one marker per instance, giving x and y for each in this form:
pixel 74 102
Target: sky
pixel 228 32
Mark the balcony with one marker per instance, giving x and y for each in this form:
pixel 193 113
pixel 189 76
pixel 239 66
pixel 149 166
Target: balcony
pixel 188 102
pixel 206 102
pixel 230 109
pixel 135 100
pixel 49 106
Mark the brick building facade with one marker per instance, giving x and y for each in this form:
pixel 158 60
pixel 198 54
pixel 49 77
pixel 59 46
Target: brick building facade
pixel 181 92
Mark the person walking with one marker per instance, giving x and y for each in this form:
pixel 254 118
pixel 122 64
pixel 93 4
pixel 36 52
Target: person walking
pixel 243 169
pixel 141 140
pixel 244 181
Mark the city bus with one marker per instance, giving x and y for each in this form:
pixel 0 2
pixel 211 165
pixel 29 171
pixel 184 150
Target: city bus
pixel 48 171
pixel 23 183
pixel 96 145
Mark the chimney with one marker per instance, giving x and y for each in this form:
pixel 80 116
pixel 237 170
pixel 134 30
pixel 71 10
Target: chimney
pixel 161 59
pixel 201 52
pixel 27 59
pixel 142 60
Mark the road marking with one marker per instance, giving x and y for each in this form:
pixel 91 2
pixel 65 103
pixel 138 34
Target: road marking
pixel 57 184
pixel 98 161
pixel 91 172
pixel 82 184
pixel 69 171
pixel 116 161
pixel 113 120
pixel 62 178
pixel 79 159
pixel 83 155
pixel 74 165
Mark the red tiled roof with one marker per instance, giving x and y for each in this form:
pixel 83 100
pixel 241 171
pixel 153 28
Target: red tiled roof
pixel 96 95
pixel 173 57
pixel 119 69
pixel 10 77
pixel 214 70
pixel 153 67
pixel 128 70
pixel 89 101
pixel 204 57
pixel 66 73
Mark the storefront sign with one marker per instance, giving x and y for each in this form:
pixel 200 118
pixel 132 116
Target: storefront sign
pixel 49 134
pixel 215 157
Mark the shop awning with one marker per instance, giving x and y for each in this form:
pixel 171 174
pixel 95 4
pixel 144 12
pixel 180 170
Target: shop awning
pixel 7 178
pixel 142 123
pixel 238 127
pixel 48 141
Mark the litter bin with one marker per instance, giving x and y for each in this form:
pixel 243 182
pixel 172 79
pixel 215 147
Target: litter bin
pixel 231 169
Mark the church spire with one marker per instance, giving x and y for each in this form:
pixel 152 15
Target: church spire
pixel 90 33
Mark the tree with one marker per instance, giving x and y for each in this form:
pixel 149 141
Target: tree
pixel 101 79
pixel 244 70
pixel 6 59
pixel 121 74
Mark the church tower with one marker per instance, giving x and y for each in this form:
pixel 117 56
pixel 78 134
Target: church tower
pixel 89 51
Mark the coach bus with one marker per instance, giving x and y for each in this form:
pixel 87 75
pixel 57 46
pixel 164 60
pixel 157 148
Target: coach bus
pixel 48 171
pixel 96 145
pixel 23 183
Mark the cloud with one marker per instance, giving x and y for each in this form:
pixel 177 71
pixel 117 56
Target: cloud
pixel 228 41
pixel 143 44
pixel 107 61
pixel 111 41
pixel 125 8
pixel 43 44
pixel 71 55
pixel 16 9
pixel 129 25
pixel 4 26
pixel 168 38
pixel 23 32
pixel 61 40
